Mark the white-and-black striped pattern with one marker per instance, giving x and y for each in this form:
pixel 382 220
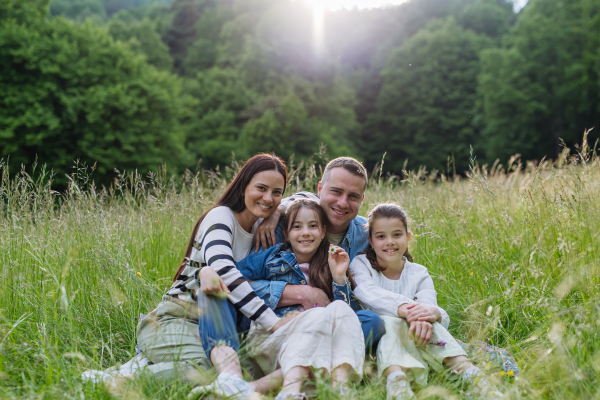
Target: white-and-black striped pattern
pixel 220 242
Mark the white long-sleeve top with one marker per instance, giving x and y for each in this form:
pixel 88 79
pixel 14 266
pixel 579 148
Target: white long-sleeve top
pixel 220 243
pixel 384 296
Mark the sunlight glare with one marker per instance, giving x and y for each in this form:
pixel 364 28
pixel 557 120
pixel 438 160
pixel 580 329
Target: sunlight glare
pixel 318 27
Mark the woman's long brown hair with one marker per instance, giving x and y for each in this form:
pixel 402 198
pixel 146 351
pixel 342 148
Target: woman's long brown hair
pixel 234 194
pixel 319 273
pixel 385 211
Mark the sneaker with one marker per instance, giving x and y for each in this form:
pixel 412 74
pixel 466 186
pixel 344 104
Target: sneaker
pixel 399 389
pixel 226 386
pixel 291 396
pixel 482 387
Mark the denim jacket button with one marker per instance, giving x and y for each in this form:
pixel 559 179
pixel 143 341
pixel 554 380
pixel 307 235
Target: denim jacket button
pixel 282 268
pixel 303 282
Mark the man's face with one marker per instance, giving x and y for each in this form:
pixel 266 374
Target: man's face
pixel 341 195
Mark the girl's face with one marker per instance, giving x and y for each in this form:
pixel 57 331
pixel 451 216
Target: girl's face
pixel 305 235
pixel 264 192
pixel 389 238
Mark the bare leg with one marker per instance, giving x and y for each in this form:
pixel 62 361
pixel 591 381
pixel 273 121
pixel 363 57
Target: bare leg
pixel 226 359
pixel 393 368
pixel 269 382
pixel 294 379
pixel 340 375
pixel 458 363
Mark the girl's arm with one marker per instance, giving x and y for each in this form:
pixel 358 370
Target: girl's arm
pixel 338 261
pixel 345 294
pixel 382 301
pixel 427 295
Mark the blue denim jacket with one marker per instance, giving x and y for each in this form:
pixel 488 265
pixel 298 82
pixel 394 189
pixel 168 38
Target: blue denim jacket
pixel 357 236
pixel 274 268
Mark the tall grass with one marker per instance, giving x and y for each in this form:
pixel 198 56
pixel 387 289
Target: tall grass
pixel 513 251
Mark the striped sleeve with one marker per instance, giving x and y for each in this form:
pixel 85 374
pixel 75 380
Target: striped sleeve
pixel 214 245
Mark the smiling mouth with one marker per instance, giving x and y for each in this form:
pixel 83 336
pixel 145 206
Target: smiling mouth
pixel 390 251
pixel 342 213
pixel 305 241
pixel 264 207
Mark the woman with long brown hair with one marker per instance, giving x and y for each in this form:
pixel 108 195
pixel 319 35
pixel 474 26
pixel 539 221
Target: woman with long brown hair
pixel 170 335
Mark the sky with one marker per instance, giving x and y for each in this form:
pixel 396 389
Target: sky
pixel 336 4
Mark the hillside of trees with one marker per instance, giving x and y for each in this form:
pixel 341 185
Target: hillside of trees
pixel 133 84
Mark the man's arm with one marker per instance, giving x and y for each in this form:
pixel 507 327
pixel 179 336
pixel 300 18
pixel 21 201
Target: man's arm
pixel 308 297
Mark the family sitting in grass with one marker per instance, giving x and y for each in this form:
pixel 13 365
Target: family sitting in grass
pixel 310 286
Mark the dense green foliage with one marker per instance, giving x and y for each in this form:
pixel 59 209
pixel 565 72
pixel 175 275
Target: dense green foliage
pixel 71 92
pixel 513 255
pixel 187 80
pixel 541 86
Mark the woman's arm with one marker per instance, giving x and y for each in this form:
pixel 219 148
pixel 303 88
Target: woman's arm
pixel 214 245
pixel 382 301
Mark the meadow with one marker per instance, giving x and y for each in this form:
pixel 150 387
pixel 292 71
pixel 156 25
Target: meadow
pixel 513 250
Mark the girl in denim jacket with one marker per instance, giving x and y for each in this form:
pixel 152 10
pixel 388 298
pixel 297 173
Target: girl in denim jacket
pixel 323 338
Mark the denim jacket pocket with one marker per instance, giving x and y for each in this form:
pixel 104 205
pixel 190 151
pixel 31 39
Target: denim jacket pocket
pixel 281 272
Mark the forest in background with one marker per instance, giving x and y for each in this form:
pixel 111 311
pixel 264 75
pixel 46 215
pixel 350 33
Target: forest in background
pixel 133 84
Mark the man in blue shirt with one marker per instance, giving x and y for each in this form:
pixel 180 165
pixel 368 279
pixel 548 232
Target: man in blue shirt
pixel 341 192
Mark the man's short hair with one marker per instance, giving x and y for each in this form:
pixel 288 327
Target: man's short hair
pixel 349 164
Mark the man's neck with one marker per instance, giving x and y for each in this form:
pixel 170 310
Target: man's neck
pixel 337 229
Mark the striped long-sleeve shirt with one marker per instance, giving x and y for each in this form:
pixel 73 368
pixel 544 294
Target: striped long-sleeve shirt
pixel 219 243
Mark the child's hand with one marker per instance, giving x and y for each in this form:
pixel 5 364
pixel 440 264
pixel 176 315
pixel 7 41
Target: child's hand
pixel 338 263
pixel 422 312
pixel 420 332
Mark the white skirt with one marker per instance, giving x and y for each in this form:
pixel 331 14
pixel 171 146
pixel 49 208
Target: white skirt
pixel 321 338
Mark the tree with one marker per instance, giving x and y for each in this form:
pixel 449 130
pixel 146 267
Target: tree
pixel 542 85
pixel 142 38
pixel 70 92
pixel 425 110
pixel 214 122
pixel 203 52
pixel 489 17
pixel 79 9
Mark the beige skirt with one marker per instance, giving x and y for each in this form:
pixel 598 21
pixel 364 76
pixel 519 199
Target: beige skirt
pixel 395 348
pixel 321 338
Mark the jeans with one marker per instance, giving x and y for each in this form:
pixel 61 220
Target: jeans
pixel 373 329
pixel 220 323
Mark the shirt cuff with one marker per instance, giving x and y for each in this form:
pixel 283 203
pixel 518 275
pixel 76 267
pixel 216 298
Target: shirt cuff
pixel 341 292
pixel 268 319
pixel 276 293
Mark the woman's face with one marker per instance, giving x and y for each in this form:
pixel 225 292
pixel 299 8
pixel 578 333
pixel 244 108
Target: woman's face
pixel 305 234
pixel 264 192
pixel 389 239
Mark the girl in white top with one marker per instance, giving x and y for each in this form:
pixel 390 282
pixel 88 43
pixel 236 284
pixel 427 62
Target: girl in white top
pixel 402 293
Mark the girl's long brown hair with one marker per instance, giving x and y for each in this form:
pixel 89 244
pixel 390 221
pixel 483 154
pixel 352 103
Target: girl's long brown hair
pixel 234 194
pixel 319 273
pixel 385 211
